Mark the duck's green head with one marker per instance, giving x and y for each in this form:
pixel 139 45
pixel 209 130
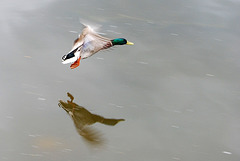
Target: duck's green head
pixel 121 41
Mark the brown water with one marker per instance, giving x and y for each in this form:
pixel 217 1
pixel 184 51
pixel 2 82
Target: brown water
pixel 177 88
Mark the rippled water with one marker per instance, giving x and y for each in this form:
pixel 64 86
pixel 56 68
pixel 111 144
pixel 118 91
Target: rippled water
pixel 177 88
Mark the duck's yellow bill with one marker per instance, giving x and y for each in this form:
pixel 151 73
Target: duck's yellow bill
pixel 129 43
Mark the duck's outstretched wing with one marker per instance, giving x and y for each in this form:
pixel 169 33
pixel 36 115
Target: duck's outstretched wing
pixel 98 41
pixel 93 43
pixel 87 44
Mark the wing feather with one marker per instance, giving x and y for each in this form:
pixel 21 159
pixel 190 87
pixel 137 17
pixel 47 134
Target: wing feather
pixel 87 44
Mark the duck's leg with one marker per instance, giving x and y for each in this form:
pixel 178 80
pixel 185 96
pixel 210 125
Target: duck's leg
pixel 76 63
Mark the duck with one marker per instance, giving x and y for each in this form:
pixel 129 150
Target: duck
pixel 89 43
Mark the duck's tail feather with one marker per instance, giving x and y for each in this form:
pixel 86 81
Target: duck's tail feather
pixel 71 56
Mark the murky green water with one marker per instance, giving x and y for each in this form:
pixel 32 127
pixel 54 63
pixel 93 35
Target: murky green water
pixel 177 88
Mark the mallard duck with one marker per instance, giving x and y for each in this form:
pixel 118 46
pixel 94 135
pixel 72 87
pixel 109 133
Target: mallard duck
pixel 89 43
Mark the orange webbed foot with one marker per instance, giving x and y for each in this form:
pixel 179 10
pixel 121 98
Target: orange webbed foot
pixel 76 63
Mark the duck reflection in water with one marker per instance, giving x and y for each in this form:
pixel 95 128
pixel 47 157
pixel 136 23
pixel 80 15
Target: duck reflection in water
pixel 82 119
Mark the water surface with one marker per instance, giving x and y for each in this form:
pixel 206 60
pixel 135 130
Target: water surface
pixel 177 88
